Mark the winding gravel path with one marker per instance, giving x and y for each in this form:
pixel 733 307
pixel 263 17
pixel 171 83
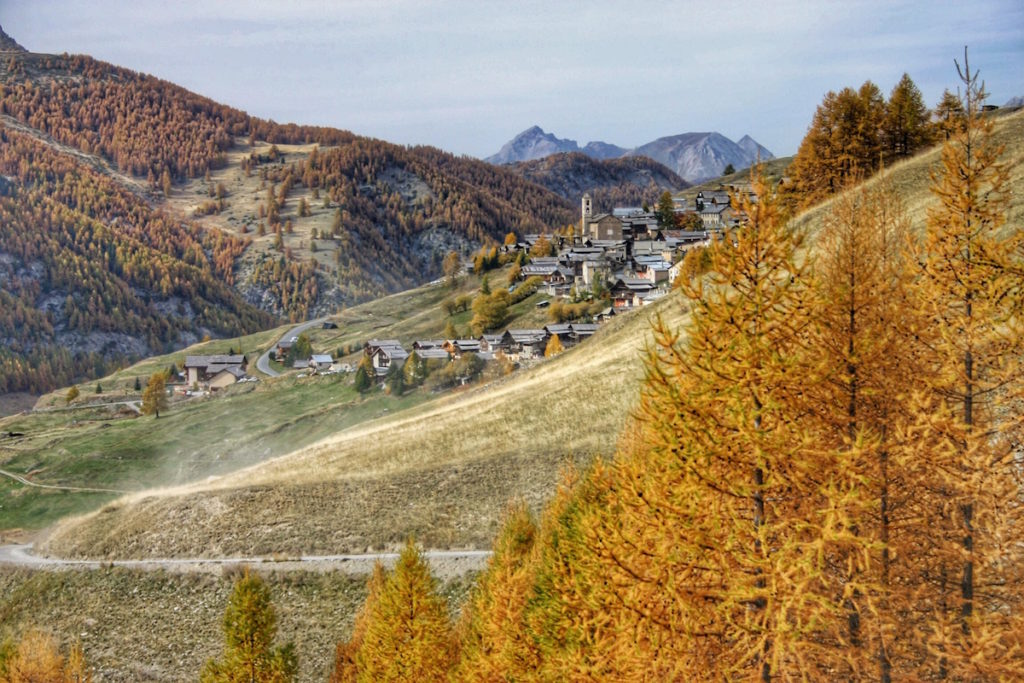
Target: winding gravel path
pixel 444 563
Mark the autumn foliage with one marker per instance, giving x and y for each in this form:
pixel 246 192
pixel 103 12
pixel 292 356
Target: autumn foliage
pixel 822 478
pixel 37 659
pixel 403 632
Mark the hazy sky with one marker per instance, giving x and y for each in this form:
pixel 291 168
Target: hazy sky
pixel 467 76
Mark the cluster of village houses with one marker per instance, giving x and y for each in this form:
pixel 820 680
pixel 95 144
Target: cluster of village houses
pixel 625 253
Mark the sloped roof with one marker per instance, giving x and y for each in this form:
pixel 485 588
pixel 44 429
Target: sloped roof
pixel 437 354
pixel 210 361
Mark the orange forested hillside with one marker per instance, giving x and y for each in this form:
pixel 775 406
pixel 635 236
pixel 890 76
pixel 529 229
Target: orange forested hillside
pixel 92 274
pixel 143 124
pixel 398 210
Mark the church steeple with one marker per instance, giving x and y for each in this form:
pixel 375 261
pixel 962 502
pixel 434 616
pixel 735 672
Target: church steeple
pixel 586 212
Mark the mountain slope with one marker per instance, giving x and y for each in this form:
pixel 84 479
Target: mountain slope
pixel 8 44
pixel 629 181
pixel 384 218
pixel 532 143
pixel 157 131
pixel 92 275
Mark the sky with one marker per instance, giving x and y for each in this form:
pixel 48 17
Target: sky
pixel 467 76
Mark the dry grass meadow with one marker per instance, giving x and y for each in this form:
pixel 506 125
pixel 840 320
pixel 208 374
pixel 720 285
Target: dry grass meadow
pixel 443 471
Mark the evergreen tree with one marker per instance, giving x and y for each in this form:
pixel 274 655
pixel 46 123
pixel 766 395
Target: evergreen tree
pixel 250 625
pixel 363 381
pixel 395 379
pixel 666 211
pixel 414 370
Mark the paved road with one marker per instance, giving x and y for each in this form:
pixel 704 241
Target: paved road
pixel 263 364
pixel 445 563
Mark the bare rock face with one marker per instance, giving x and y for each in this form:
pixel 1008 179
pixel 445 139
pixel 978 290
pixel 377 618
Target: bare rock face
pixel 8 44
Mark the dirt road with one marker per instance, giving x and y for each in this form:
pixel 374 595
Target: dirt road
pixel 445 564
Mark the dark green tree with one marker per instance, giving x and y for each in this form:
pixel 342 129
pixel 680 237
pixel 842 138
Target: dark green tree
pixel 666 211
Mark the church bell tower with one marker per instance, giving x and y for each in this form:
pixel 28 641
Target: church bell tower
pixel 586 212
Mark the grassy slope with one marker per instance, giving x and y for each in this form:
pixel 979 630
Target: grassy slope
pixel 108 447
pixel 443 470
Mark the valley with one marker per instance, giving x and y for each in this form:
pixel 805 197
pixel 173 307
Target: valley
pixel 129 246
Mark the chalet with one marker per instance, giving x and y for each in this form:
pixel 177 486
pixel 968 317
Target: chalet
pixel 524 343
pixel 201 369
pixel 384 352
pixel 626 288
pixel 283 347
pixel 320 362
pixel 715 216
pixel 605 315
pixel 457 347
pixel 433 354
pixel 490 342
pixel 423 344
pixel 226 377
pixel 563 331
pixel 604 226
pixel 579 332
pixel 656 270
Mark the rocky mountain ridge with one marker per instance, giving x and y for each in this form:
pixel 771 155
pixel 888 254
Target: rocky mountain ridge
pixel 695 157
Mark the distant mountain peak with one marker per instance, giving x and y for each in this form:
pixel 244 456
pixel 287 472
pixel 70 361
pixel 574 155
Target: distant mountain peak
pixel 532 143
pixel 8 44
pixel 694 156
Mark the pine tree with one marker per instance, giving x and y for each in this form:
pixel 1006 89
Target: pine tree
pixel 859 361
pixel 250 625
pixel 666 211
pixel 408 634
pixel 37 659
pixel 414 370
pixel 363 380
pixel 154 398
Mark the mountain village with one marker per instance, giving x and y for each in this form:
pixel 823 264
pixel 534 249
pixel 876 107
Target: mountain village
pixel 626 256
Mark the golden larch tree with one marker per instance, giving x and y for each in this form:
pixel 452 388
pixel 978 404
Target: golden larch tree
pixel 969 288
pixel 494 642
pixel 408 634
